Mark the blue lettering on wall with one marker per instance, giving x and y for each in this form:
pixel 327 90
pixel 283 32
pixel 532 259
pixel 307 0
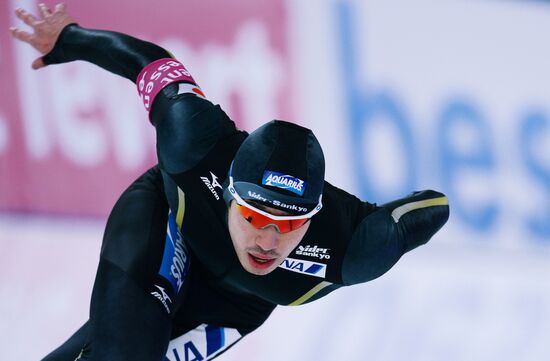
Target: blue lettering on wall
pixel 364 109
pixel 536 124
pixel 453 163
pixel 365 106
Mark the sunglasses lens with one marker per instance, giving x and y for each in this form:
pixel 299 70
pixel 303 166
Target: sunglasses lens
pixel 260 221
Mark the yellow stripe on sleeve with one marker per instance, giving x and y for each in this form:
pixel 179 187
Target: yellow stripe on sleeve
pixel 310 293
pixel 181 208
pixel 404 209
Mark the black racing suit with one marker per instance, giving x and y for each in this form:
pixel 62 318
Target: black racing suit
pixel 160 286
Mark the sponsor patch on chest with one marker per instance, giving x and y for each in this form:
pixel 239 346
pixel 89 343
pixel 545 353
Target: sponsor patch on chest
pixel 313 251
pixel 305 267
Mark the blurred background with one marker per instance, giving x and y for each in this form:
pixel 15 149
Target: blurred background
pixel 404 95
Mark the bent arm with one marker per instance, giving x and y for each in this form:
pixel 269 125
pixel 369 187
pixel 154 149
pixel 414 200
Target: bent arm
pixel 58 38
pixel 187 125
pixel 393 229
pixel 116 52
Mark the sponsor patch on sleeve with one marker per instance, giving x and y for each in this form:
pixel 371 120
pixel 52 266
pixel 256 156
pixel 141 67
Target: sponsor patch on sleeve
pixel 202 343
pixel 186 88
pixel 158 75
pixel 175 260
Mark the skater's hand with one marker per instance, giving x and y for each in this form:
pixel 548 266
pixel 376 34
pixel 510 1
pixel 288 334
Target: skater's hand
pixel 46 29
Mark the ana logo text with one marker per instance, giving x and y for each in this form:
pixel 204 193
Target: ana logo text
pixel 202 343
pixel 305 267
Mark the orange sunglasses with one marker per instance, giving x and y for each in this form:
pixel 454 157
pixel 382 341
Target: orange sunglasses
pixel 260 221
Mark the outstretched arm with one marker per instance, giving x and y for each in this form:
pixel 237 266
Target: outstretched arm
pixel 59 39
pixel 391 230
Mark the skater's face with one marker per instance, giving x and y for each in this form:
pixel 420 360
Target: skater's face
pixel 261 250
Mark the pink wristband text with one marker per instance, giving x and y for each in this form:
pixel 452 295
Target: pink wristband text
pixel 157 75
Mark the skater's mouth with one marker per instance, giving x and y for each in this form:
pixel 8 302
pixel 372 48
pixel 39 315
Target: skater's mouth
pixel 260 261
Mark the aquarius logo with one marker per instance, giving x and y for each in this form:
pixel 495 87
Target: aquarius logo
pixel 284 181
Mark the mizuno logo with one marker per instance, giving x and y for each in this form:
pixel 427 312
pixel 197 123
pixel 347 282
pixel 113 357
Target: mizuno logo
pixel 305 267
pixel 212 184
pixel 284 181
pixel 163 297
pixel 313 251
